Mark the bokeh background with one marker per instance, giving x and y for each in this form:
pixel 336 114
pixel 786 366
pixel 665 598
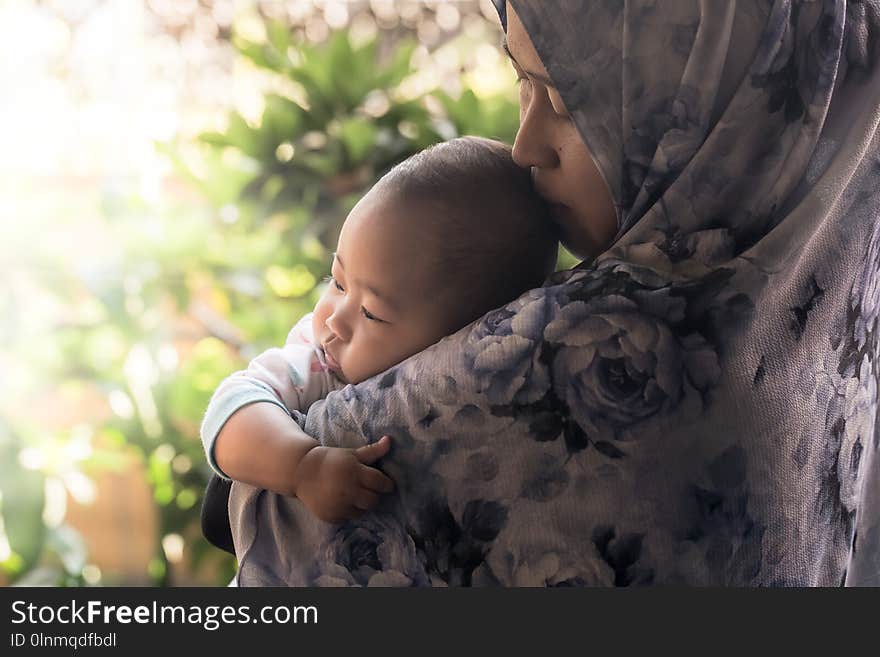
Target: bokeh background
pixel 173 175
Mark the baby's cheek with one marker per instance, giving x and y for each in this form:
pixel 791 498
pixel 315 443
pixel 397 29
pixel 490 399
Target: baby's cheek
pixel 379 357
pixel 380 360
pixel 319 316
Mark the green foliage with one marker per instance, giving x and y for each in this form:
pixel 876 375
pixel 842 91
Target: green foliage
pixel 323 147
pixel 21 505
pixel 493 117
pixel 39 555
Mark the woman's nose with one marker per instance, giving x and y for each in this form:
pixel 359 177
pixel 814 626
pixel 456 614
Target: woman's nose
pixel 533 146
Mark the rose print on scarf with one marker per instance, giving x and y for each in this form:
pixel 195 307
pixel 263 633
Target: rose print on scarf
pixel 622 368
pixel 627 351
pixel 372 552
pixel 722 537
pixel 862 312
pixel 502 351
pixel 540 565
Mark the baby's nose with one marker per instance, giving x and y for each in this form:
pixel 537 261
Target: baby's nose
pixel 337 328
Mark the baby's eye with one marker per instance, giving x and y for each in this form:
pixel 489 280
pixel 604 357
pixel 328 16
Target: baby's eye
pixel 331 280
pixel 366 313
pixel 334 282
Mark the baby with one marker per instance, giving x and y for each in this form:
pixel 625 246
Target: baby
pixel 446 236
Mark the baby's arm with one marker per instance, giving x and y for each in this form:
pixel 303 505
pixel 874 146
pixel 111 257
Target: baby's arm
pixel 262 446
pixel 249 435
pixel 275 383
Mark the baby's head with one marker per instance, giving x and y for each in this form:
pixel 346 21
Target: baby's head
pixel 443 238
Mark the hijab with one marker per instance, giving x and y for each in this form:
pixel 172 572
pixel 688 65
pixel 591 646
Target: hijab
pixel 696 406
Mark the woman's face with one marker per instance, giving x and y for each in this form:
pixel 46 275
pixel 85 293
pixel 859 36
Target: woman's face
pixel 549 142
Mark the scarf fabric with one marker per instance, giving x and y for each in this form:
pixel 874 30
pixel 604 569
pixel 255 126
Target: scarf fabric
pixel 696 406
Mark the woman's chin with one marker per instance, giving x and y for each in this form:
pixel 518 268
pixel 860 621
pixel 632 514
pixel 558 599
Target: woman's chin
pixel 566 227
pixel 578 250
pixel 583 237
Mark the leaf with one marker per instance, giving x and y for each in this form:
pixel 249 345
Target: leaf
pixel 278 34
pixel 575 438
pixel 359 137
pixel 400 65
pixel 464 112
pixel 262 55
pixel 217 139
pixel 316 74
pixel 22 509
pixel 341 71
pixel 496 117
pixel 322 163
pixel 290 195
pixel 70 548
pixel 546 426
pixel 608 449
pixel 43 576
pixel 283 120
pixel 388 379
pixel 483 519
pixel 253 51
pixel 243 137
pixel 255 187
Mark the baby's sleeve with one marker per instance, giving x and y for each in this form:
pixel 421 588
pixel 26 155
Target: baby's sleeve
pixel 292 377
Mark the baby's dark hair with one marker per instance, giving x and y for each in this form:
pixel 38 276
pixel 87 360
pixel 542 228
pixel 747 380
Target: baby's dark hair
pixel 489 231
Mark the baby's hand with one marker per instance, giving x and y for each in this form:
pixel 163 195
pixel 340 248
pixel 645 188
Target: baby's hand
pixel 337 484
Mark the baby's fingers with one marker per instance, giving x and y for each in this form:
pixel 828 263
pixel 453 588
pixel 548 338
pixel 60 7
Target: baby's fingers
pixel 366 500
pixel 375 480
pixel 373 452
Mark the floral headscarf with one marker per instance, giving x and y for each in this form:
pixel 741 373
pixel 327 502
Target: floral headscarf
pixel 698 405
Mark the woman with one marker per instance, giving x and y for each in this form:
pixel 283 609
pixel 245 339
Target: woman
pixel 696 402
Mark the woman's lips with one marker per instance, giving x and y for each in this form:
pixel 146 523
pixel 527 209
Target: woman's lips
pixel 561 214
pixel 558 208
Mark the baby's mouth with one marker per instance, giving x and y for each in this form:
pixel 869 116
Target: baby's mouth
pixel 332 363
